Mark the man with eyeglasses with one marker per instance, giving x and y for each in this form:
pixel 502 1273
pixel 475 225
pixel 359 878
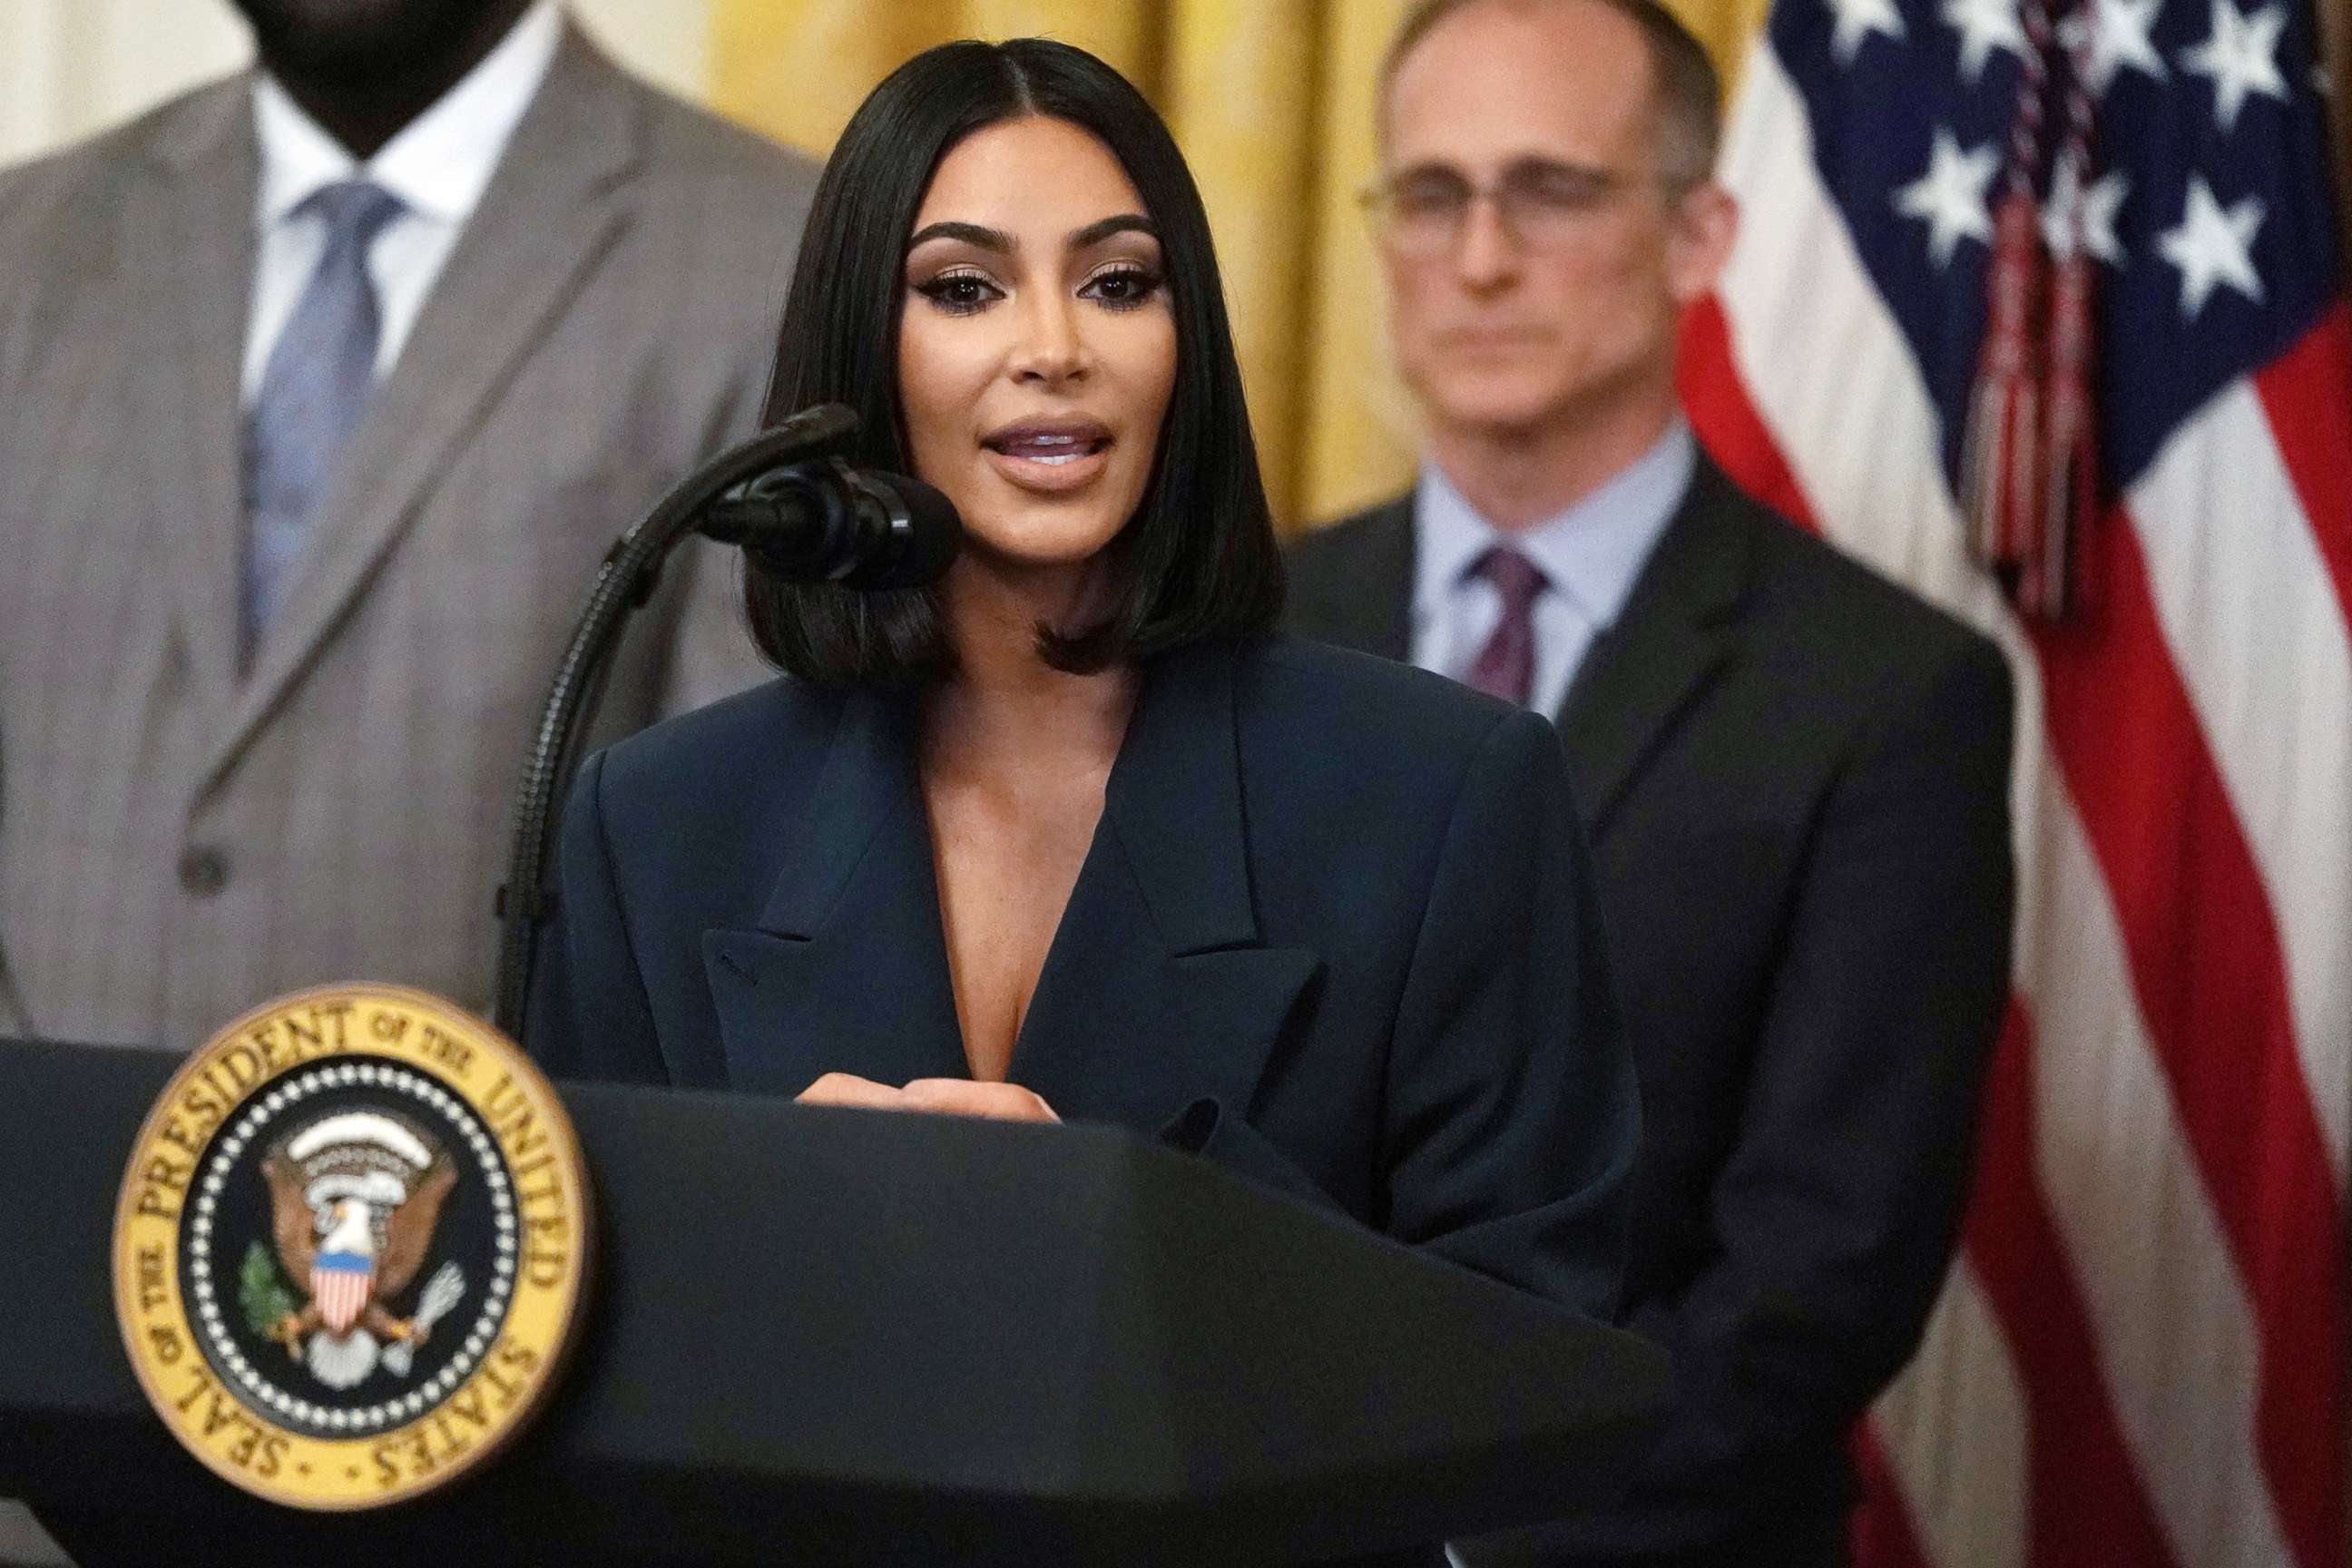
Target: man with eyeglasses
pixel 1794 774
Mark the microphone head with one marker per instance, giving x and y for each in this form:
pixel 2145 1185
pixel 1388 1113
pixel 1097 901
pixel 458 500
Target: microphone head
pixel 923 526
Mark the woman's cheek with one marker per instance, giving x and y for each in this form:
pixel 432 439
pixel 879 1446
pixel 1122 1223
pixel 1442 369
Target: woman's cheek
pixel 943 370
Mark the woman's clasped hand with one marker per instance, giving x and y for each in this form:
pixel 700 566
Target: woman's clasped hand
pixel 947 1096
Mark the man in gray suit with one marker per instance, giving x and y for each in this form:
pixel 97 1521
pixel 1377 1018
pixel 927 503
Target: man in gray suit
pixel 322 390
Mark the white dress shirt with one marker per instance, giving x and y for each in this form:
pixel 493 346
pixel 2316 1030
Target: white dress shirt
pixel 1590 555
pixel 438 165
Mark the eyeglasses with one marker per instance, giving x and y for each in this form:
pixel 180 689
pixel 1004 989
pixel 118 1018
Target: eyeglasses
pixel 1544 203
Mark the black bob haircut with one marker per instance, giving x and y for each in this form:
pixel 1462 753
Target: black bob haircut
pixel 1199 557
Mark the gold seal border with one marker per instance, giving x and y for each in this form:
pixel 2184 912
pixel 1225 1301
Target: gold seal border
pixel 512 1382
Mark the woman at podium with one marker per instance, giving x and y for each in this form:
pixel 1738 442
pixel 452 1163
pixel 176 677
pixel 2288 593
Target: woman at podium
pixel 1073 834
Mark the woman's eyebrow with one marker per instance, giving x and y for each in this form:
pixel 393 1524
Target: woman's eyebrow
pixel 1004 244
pixel 994 239
pixel 1103 228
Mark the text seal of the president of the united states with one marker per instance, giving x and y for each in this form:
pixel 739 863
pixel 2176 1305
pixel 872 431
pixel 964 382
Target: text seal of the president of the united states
pixel 350 1246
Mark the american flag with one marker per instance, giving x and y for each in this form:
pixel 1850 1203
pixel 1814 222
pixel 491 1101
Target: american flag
pixel 2140 1356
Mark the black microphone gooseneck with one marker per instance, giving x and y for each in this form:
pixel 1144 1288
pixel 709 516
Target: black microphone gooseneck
pixel 786 498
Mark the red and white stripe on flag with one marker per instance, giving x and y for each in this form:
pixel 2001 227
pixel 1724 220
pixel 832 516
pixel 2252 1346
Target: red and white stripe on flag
pixel 340 1293
pixel 2140 1356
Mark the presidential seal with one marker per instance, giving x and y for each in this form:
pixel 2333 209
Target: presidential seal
pixel 350 1246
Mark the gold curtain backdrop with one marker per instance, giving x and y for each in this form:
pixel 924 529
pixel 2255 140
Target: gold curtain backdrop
pixel 1271 101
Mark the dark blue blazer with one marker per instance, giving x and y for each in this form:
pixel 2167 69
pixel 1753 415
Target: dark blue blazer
pixel 1334 929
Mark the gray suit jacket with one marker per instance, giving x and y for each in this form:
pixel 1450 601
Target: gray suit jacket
pixel 179 841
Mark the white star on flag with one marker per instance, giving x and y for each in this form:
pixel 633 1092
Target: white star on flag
pixel 2117 36
pixel 2240 57
pixel 1857 19
pixel 1984 25
pixel 1951 195
pixel 2213 247
pixel 2096 208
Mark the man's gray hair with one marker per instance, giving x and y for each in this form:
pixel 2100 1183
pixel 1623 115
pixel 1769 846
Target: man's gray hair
pixel 1690 93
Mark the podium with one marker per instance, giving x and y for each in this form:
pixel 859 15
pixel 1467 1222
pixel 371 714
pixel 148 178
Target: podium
pixel 845 1338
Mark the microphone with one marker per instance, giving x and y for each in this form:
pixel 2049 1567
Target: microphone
pixel 789 499
pixel 824 522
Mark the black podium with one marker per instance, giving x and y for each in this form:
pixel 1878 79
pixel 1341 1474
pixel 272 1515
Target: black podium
pixel 844 1338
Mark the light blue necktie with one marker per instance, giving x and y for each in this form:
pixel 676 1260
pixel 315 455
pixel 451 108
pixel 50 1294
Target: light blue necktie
pixel 312 391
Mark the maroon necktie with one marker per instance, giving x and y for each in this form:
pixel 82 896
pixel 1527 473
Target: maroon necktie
pixel 1506 666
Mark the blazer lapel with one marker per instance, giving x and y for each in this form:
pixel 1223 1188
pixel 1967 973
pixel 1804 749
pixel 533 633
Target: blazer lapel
pixel 1673 637
pixel 191 258
pixel 1156 993
pixel 847 970
pixel 1369 603
pixel 555 207
pixel 1386 587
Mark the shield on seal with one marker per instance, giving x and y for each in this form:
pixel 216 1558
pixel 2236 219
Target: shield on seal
pixel 340 1284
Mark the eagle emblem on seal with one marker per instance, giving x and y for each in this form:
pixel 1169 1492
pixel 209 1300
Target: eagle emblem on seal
pixel 354 1199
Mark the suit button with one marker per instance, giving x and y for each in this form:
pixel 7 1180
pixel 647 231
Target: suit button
pixel 204 872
